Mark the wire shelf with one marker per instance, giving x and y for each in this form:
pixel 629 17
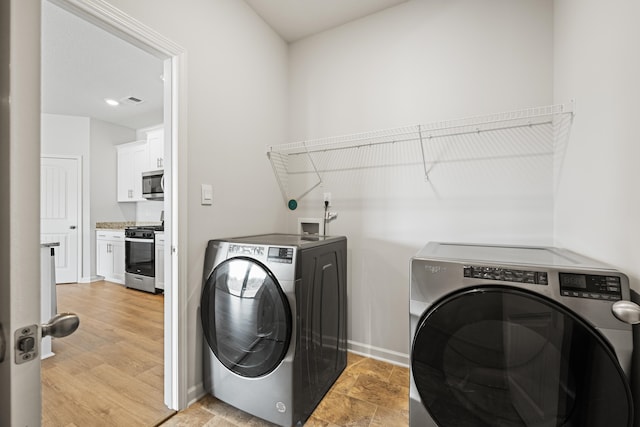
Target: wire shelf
pixel 300 161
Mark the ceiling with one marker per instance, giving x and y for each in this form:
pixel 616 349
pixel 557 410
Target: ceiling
pixel 83 64
pixel 296 19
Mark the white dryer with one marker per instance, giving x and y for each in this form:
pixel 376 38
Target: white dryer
pixel 273 312
pixel 517 336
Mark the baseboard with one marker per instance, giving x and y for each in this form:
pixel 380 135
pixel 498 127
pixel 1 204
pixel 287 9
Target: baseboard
pixel 379 353
pixel 195 393
pixel 90 279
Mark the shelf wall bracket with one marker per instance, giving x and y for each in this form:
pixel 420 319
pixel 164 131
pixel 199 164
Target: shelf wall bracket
pixel 424 159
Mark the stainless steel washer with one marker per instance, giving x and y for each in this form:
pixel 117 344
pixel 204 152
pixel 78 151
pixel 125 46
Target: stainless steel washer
pixel 517 336
pixel 273 311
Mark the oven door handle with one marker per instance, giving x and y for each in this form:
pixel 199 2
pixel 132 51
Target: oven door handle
pixel 133 239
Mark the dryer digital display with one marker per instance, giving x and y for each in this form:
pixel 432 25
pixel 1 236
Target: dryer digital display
pixel 283 255
pixel 590 286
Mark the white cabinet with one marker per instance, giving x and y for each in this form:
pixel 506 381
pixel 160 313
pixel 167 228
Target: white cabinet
pixel 135 158
pixel 110 255
pixel 132 161
pixel 160 261
pixel 155 147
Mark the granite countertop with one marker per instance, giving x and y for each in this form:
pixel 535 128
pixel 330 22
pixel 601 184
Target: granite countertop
pixel 114 225
pixel 121 225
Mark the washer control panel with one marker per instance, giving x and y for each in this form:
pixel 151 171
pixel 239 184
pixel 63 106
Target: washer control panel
pixel 590 286
pixel 506 274
pixel 282 255
pixel 246 250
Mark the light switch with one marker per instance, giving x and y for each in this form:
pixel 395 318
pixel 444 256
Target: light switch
pixel 206 191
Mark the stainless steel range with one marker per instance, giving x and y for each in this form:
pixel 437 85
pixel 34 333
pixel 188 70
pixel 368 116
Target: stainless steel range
pixel 140 265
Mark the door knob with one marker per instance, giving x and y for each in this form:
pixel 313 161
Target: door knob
pixel 61 325
pixel 72 227
pixel 627 311
pixel 27 342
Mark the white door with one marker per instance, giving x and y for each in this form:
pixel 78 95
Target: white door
pixel 59 202
pixel 20 399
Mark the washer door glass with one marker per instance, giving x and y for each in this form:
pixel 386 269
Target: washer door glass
pixel 507 357
pixel 246 317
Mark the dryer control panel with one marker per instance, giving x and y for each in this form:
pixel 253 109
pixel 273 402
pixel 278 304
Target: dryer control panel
pixel 506 274
pixel 282 255
pixel 590 286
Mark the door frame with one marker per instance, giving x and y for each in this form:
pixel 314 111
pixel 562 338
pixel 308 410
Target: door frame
pixel 20 386
pixel 81 225
pixel 116 22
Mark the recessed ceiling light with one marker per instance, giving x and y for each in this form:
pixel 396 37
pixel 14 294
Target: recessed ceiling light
pixel 111 102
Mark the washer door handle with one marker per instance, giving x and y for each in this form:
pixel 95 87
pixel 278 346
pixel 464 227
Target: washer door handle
pixel 627 311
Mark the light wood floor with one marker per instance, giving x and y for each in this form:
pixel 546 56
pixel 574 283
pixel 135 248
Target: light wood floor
pixel 110 371
pixel 368 393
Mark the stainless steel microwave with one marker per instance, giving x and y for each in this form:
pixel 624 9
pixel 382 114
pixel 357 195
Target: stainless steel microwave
pixel 153 185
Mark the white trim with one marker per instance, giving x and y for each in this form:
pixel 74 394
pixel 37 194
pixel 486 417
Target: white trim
pixel 390 356
pixel 112 19
pixel 90 279
pixel 116 22
pixel 196 393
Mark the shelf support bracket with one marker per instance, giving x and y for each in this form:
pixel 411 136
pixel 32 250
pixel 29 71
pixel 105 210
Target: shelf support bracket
pixel 424 160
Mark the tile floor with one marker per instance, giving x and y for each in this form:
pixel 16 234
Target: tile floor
pixel 368 393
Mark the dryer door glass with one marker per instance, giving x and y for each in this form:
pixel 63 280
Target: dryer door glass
pixel 246 317
pixel 503 356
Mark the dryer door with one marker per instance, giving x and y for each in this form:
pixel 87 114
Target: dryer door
pixel 503 356
pixel 246 317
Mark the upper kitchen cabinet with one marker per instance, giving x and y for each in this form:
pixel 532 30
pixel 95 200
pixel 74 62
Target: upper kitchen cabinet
pixel 135 158
pixel 155 146
pixel 132 161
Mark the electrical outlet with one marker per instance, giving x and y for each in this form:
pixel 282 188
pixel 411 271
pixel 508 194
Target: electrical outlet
pixel 327 198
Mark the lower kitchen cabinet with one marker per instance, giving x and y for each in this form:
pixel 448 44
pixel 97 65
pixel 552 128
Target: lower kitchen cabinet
pixel 160 261
pixel 110 255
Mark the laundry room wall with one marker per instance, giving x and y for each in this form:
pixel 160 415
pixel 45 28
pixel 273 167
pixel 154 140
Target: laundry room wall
pixel 596 212
pixel 417 63
pixel 596 62
pixel 236 104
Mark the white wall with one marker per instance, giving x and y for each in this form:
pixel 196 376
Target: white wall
pixel 64 135
pixel 69 135
pixel 236 102
pixel 104 137
pixel 597 63
pixel 92 140
pixel 417 63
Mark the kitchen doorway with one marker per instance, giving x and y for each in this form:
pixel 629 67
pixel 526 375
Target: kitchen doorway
pixel 126 28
